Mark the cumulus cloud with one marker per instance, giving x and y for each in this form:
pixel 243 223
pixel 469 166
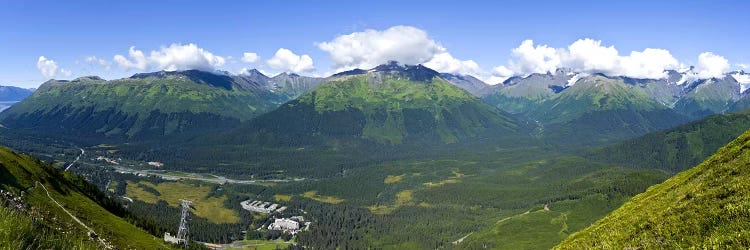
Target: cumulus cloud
pixel 172 58
pixel 286 60
pixel 250 57
pixel 534 59
pixel 446 63
pixel 711 65
pixel 404 44
pixel 47 67
pixel 65 72
pixel 104 63
pixel 590 56
pixel 369 48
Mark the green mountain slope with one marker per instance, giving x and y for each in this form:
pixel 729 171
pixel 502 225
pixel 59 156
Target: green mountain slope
pixel 390 104
pixel 142 106
pixel 676 149
pixel 37 221
pixel 599 109
pixel 704 207
pixel 709 96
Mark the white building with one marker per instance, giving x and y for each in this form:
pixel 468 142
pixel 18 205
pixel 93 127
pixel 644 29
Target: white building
pixel 284 225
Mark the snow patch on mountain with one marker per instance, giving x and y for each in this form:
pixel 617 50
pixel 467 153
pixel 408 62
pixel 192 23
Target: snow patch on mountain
pixel 572 81
pixel 743 79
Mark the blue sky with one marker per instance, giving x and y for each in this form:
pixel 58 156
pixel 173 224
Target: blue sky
pixel 485 32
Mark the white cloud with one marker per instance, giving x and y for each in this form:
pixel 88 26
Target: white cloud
pixel 404 44
pixel 172 58
pixel 104 63
pixel 590 56
pixel 711 65
pixel 742 66
pixel 66 73
pixel 587 55
pixel 534 59
pixel 446 63
pixel 498 75
pixel 250 57
pixel 47 67
pixel 650 63
pixel 369 48
pixel 286 60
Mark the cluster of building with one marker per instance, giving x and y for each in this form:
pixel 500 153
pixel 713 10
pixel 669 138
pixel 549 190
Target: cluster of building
pixel 156 164
pixel 261 206
pixel 291 225
pixel 108 160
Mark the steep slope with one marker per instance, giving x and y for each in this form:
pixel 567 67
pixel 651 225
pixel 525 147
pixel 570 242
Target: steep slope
pixel 598 109
pixel 708 96
pixel 523 94
pixel 144 106
pixel 744 81
pixel 704 207
pixel 679 148
pixel 46 202
pixel 390 104
pixel 466 82
pixel 293 85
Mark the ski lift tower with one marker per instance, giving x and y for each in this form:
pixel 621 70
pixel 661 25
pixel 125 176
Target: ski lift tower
pixel 182 233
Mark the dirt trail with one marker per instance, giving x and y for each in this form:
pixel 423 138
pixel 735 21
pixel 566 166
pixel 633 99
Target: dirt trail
pixel 91 231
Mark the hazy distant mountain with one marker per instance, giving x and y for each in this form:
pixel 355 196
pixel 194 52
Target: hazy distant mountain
pixel 523 94
pixel 9 95
pixel 293 85
pixel 466 82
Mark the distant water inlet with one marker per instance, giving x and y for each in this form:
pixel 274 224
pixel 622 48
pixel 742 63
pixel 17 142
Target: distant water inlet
pixel 6 104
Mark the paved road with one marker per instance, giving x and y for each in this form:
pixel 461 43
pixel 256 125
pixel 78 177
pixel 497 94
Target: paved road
pixel 76 160
pixel 217 179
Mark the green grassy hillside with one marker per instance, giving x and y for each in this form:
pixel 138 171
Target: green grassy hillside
pixel 704 207
pixel 676 149
pixel 42 223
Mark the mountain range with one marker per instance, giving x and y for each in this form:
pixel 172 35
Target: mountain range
pixel 389 104
pixel 680 91
pixel 562 107
pixel 152 105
